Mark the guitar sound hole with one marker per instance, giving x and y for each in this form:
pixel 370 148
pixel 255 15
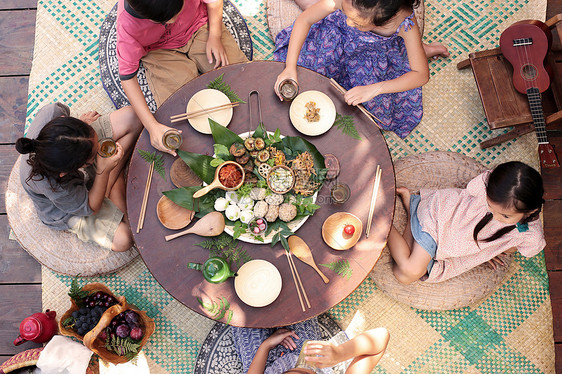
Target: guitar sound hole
pixel 529 72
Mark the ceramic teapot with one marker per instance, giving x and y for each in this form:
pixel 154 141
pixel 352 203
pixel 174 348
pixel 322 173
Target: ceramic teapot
pixel 215 269
pixel 39 328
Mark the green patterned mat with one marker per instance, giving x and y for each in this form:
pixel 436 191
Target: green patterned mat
pixel 511 331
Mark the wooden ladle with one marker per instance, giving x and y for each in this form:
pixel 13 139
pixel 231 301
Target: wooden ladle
pixel 211 224
pixel 216 183
pixel 299 248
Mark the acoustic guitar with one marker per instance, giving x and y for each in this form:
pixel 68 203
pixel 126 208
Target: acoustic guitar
pixel 525 45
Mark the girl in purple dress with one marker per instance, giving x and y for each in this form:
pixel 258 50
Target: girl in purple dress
pixel 372 48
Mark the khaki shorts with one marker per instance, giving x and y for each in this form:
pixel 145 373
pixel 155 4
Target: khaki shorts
pixel 167 70
pixel 99 228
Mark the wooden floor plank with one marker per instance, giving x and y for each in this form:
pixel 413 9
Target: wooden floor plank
pixel 558 352
pixel 13 103
pixel 8 156
pixel 18 4
pixel 552 177
pixel 17 33
pixel 16 265
pixel 553 233
pixel 16 303
pixel 555 279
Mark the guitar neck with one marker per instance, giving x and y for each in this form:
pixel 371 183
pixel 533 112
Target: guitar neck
pixel 535 104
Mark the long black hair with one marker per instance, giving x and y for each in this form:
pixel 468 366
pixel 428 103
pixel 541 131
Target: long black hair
pixel 383 10
pixel 63 145
pixel 513 185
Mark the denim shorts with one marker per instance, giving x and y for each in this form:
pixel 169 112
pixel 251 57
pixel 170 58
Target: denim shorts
pixel 420 236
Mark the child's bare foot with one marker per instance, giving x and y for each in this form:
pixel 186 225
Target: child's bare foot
pixel 404 195
pixel 435 50
pixel 304 4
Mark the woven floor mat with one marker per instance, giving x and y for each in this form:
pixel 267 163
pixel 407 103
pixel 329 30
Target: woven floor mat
pixel 511 331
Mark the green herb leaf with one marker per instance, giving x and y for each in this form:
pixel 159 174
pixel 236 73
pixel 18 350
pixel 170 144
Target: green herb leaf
pixel 341 267
pixel 200 164
pixel 157 159
pixel 219 84
pixel 346 125
pixel 221 151
pixel 260 131
pixel 76 293
pixel 216 162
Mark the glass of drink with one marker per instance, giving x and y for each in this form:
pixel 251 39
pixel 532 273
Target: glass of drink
pixel 107 148
pixel 288 89
pixel 172 139
pixel 340 193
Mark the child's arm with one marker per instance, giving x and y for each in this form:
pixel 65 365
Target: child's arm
pixel 214 44
pixel 103 170
pixel 154 128
pixel 417 77
pixel 366 350
pixel 300 31
pixel 281 336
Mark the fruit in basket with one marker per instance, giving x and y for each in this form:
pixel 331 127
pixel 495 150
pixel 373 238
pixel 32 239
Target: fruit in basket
pixel 136 333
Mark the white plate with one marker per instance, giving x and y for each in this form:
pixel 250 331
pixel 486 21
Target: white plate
pixel 205 99
pixel 294 225
pixel 327 113
pixel 258 283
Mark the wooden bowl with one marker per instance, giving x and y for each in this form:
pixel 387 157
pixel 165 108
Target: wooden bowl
pixel 182 175
pixel 273 170
pixel 171 215
pixel 333 234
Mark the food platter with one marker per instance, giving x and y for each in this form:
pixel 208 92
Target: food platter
pixel 258 283
pixel 324 106
pixel 204 99
pixel 293 225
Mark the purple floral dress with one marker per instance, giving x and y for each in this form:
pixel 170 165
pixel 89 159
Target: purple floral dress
pixel 358 58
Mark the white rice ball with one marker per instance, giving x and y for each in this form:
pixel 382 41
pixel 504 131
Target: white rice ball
pixel 246 203
pixel 260 209
pixel 220 204
pixel 232 196
pixel 258 193
pixel 246 215
pixel 232 212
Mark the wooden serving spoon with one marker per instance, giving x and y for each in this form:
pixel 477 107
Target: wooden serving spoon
pixel 211 224
pixel 216 183
pixel 300 249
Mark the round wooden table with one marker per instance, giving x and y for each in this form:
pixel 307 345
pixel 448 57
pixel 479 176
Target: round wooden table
pixel 358 159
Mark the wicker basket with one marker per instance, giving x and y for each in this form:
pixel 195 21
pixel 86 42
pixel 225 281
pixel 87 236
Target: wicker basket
pixel 98 346
pixel 92 288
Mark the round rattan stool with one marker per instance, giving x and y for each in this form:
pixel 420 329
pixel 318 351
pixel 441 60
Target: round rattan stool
pixel 436 170
pixel 60 251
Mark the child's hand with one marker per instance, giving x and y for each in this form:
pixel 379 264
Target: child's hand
pixel 499 260
pixel 361 94
pixel 287 73
pixel 106 164
pixel 90 117
pixel 322 354
pixel 283 337
pixel 216 49
pixel 156 135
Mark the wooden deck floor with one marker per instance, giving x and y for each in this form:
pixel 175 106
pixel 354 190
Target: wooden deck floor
pixel 20 274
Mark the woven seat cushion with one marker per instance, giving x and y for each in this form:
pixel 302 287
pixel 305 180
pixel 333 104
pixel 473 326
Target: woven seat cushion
pixel 282 14
pixel 218 353
pixel 436 170
pixel 60 251
pixel 109 67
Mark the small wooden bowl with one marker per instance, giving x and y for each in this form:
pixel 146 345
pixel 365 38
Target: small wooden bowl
pixel 216 183
pixel 291 172
pixel 171 215
pixel 182 175
pixel 333 234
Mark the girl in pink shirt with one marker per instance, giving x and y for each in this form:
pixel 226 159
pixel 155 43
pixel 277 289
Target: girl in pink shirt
pixel 452 230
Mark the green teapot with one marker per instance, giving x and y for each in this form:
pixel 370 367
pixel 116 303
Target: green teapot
pixel 215 269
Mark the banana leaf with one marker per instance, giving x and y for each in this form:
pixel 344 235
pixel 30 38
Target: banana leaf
pixel 184 197
pixel 200 164
pixel 222 135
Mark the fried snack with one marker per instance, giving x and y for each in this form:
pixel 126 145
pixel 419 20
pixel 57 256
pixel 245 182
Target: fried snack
pixel 312 112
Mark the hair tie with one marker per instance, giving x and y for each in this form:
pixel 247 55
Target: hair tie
pixel 522 227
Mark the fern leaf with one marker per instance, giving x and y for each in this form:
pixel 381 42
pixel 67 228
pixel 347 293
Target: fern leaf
pixel 346 125
pixel 76 293
pixel 219 84
pixel 207 244
pixel 122 346
pixel 340 267
pixel 157 159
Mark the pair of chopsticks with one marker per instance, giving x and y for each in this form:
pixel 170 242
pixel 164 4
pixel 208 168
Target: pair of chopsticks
pixel 376 185
pixel 145 197
pixel 184 116
pixel 297 280
pixel 369 115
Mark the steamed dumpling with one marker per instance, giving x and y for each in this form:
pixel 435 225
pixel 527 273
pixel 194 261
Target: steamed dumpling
pixel 232 212
pixel 246 215
pixel 232 196
pixel 245 203
pixel 220 204
pixel 260 209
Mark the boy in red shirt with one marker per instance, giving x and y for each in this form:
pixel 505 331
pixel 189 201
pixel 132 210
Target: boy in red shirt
pixel 176 40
